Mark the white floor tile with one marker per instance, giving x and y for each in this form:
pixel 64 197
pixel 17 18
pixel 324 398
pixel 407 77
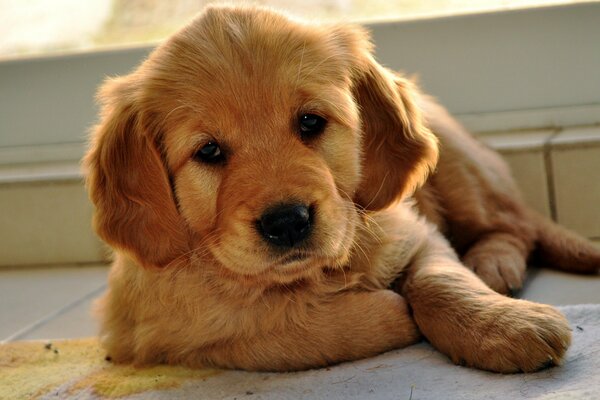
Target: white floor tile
pixel 75 323
pixel 30 295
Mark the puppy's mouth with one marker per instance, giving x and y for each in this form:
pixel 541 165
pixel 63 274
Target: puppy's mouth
pixel 314 257
pixel 294 257
pixel 252 258
pixel 304 261
pixel 293 260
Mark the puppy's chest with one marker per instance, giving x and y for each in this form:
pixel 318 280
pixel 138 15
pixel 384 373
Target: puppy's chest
pixel 386 246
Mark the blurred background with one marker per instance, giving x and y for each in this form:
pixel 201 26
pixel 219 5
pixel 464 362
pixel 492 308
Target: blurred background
pixel 49 26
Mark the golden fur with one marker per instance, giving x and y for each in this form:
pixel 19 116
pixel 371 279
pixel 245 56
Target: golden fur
pixel 194 284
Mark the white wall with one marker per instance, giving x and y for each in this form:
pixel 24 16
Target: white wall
pixel 504 70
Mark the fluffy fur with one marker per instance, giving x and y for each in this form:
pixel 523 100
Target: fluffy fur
pixel 193 282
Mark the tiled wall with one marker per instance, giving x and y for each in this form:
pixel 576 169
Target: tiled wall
pixel 46 216
pixel 558 172
pixel 47 222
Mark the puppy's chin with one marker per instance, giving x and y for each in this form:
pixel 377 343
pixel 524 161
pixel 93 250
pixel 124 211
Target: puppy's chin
pixel 332 250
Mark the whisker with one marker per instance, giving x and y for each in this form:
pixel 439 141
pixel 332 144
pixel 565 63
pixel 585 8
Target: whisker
pixel 378 190
pixel 194 251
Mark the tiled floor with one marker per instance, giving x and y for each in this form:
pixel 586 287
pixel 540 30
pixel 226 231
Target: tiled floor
pixel 53 303
pixel 48 303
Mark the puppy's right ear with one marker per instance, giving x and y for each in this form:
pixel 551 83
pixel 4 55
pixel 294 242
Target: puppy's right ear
pixel 128 183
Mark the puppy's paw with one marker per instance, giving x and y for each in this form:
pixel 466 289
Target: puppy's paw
pixel 518 336
pixel 504 272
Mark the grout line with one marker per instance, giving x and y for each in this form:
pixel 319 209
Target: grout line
pixel 547 149
pixel 41 322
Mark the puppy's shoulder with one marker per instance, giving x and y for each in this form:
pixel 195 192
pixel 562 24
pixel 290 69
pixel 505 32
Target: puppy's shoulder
pixel 388 240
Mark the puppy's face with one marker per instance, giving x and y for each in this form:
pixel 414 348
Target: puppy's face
pixel 259 134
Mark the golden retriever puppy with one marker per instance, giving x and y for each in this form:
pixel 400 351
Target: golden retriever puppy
pixel 254 177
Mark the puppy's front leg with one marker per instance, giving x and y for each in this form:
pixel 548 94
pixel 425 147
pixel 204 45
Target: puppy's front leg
pixel 345 327
pixel 474 325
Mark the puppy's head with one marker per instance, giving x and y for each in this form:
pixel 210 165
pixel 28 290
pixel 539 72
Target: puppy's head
pixel 254 141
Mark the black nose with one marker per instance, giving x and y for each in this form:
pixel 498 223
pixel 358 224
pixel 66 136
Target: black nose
pixel 286 225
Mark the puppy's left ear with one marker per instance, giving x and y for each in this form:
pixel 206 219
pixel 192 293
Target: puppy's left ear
pixel 399 151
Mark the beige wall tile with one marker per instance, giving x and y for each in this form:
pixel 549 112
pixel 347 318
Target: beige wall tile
pixel 524 153
pixel 46 223
pixel 529 170
pixel 576 173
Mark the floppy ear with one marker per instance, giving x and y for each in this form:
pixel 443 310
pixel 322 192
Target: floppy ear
pixel 129 185
pixel 399 151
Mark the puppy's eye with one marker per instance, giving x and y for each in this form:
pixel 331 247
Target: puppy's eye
pixel 311 125
pixel 210 153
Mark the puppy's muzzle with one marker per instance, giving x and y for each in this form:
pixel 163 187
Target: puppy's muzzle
pixel 286 225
